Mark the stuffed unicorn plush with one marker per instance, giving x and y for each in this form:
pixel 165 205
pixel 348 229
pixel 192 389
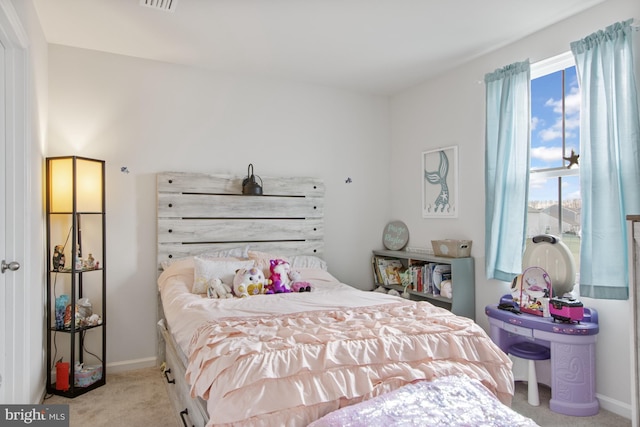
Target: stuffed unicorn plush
pixel 248 281
pixel 279 281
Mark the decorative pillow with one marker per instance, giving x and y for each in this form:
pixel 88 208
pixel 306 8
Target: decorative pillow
pixel 169 262
pixel 263 260
pixel 178 263
pixel 240 253
pixel 207 269
pixel 307 261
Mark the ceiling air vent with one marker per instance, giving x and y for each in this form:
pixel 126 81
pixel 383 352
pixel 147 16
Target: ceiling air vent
pixel 164 5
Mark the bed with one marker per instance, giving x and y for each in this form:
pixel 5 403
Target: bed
pixel 290 359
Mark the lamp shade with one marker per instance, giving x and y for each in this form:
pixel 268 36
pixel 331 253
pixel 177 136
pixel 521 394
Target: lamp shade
pixel 75 184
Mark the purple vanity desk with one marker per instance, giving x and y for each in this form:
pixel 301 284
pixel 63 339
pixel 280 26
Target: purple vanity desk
pixel 573 354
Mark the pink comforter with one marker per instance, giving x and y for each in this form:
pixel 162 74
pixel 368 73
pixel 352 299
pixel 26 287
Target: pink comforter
pixel 290 369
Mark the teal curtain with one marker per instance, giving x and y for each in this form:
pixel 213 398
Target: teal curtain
pixel 507 136
pixel 609 157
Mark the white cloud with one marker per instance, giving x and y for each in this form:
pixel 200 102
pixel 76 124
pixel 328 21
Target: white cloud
pixel 555 131
pixel 554 104
pixel 572 196
pixel 547 154
pixel 549 134
pixel 535 121
pixel 536 182
pixel 571 103
pixel 572 122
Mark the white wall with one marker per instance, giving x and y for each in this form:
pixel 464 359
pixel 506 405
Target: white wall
pixel 449 110
pixel 151 117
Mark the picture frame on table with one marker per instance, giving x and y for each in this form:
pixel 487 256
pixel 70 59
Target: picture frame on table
pixel 440 183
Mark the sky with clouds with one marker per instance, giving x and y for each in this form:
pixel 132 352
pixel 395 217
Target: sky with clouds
pixel 546 132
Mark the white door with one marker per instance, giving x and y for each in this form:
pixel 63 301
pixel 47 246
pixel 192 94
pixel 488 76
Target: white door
pixel 3 285
pixel 15 323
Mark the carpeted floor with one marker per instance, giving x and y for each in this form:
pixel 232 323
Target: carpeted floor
pixel 128 399
pixel 546 418
pixel 139 399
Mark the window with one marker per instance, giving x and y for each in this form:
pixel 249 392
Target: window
pixel 554 203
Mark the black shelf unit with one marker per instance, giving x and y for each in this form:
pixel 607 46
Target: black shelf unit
pixel 75 210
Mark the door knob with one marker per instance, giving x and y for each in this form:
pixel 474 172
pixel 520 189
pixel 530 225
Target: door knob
pixel 13 266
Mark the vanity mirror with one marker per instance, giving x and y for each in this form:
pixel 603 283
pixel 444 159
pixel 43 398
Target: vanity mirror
pixel 532 290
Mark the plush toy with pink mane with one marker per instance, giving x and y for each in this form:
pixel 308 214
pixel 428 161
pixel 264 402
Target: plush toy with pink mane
pixel 279 281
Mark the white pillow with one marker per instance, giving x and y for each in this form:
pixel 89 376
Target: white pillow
pixel 307 261
pixel 242 252
pixel 207 269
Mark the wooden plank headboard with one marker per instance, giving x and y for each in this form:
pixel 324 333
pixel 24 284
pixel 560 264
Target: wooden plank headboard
pixel 198 212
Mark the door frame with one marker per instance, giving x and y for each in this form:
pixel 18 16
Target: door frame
pixel 20 316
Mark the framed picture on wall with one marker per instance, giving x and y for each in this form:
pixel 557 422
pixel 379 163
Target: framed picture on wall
pixel 440 183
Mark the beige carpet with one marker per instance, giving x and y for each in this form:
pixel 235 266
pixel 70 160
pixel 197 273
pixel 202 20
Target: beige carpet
pixel 546 418
pixel 139 399
pixel 128 399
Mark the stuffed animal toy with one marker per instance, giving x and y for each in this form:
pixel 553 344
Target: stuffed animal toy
pixel 58 258
pixel 217 289
pixel 68 316
pixel 279 281
pixel 248 281
pixel 446 289
pixel 297 285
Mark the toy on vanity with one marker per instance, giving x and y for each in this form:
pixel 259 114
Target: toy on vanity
pixel 566 309
pixel 531 290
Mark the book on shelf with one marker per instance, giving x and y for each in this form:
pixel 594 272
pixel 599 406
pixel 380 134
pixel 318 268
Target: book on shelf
pixel 416 277
pixel 376 271
pixel 388 271
pixel 422 277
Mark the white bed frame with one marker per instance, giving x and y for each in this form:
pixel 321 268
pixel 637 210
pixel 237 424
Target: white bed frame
pixel 199 212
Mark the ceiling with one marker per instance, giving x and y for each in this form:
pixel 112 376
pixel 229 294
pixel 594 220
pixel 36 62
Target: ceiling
pixel 375 46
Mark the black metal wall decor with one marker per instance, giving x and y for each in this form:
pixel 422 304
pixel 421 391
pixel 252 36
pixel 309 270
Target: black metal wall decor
pixel 250 186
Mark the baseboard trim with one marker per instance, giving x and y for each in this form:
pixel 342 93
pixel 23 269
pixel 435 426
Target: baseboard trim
pixel 130 365
pixel 124 366
pixel 615 406
pixel 42 394
pixel 114 368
